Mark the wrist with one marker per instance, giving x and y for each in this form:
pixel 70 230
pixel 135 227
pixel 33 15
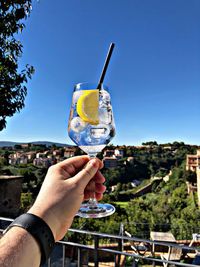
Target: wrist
pixel 48 217
pixel 39 230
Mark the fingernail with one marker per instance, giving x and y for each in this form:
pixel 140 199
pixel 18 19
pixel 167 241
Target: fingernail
pixel 94 163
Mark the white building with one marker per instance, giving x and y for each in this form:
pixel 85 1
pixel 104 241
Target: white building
pixel 43 162
pixel 119 153
pixel 69 152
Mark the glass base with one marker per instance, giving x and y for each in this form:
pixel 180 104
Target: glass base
pixel 97 211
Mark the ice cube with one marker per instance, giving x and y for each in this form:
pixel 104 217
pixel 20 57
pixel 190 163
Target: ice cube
pixel 77 124
pixel 102 131
pixel 76 96
pixel 105 96
pixel 104 99
pixel 105 115
pixel 87 137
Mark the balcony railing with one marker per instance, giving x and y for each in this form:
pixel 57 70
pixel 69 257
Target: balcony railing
pixel 116 250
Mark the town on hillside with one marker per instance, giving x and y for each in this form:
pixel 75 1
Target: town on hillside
pixel 153 186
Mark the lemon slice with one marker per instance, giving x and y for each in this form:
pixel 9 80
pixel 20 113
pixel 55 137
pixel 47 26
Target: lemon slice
pixel 88 106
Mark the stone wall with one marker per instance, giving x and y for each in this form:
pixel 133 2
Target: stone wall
pixel 10 193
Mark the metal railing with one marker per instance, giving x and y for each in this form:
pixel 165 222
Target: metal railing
pixel 143 230
pixel 121 251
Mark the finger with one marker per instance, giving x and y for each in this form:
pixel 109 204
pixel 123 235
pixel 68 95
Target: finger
pixel 90 186
pixel 87 173
pixel 99 196
pixel 72 165
pixel 97 188
pixel 100 188
pixel 101 165
pixel 99 178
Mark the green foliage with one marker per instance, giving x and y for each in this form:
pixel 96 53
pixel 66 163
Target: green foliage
pixel 167 207
pixel 12 82
pixel 2 162
pixel 123 205
pixel 150 143
pixel 33 177
pixel 109 225
pixel 190 176
pixel 26 201
pixel 113 176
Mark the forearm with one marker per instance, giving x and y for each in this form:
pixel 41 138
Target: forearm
pixel 19 248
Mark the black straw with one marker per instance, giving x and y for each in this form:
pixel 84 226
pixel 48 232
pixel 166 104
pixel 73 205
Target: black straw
pixel 106 65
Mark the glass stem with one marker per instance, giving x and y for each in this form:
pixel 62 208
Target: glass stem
pixel 92 202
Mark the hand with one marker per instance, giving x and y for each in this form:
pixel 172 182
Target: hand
pixel 66 185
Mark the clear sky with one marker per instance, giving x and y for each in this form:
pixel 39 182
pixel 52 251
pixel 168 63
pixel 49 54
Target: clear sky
pixel 153 76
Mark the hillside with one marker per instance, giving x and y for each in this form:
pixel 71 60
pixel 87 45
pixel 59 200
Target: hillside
pixel 47 143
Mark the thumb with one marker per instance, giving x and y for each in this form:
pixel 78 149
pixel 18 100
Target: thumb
pixel 87 173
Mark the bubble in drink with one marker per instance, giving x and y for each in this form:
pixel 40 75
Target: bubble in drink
pixel 77 124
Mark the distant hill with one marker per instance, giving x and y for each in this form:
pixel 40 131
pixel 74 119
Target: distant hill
pixel 47 143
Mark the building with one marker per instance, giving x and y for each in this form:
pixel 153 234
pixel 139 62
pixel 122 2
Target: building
pixel 193 161
pixel 31 155
pixel 198 184
pixel 110 162
pixel 193 164
pixel 108 153
pixel 119 153
pixel 25 145
pixel 191 188
pixel 130 160
pixel 69 152
pixel 42 154
pixel 135 183
pixel 113 188
pixel 57 152
pixel 44 162
pixel 18 158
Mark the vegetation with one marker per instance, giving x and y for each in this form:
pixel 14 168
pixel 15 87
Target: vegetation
pixel 12 81
pixel 166 206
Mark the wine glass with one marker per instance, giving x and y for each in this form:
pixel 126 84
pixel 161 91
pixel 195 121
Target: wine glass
pixel 91 126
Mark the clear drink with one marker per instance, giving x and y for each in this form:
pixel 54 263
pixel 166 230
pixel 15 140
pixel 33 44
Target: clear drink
pixel 92 138
pixel 91 126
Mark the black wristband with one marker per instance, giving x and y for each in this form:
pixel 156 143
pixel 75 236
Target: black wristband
pixel 39 229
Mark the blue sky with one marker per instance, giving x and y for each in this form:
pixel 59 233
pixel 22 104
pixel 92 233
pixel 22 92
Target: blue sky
pixel 153 76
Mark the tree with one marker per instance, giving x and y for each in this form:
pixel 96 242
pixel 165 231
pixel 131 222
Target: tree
pixel 190 176
pixel 2 162
pixel 150 143
pixel 12 81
